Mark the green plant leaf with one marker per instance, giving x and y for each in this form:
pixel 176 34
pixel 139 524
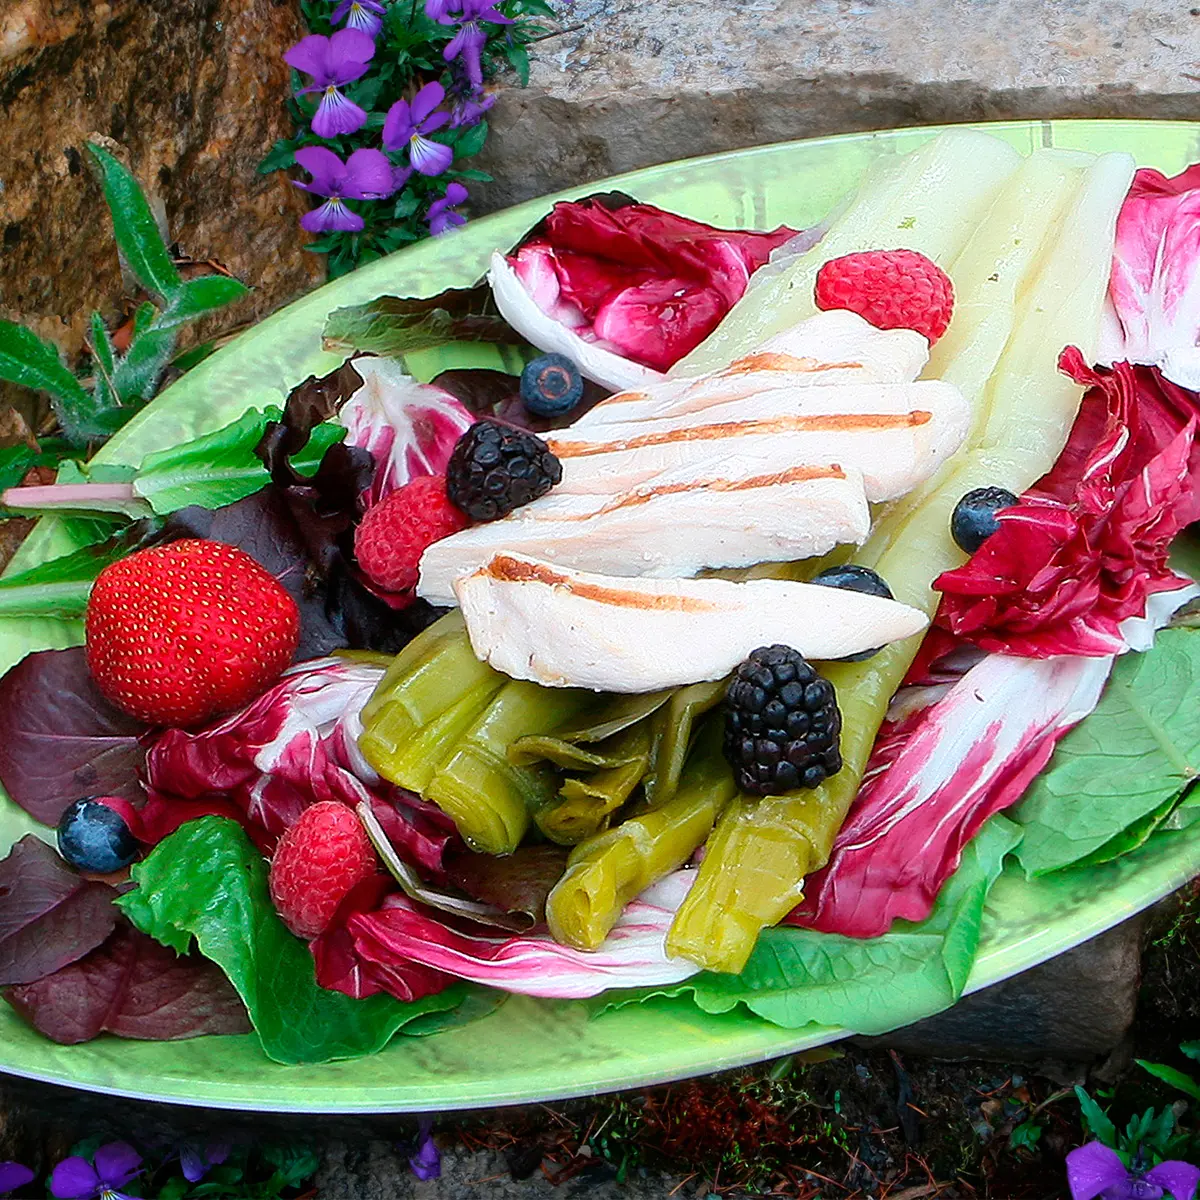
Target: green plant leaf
pixel 1169 1075
pixel 1117 775
pixel 394 327
pixel 137 234
pixel 1096 1119
pixel 15 462
pixel 27 360
pixel 518 59
pixel 1025 1136
pixel 281 156
pixel 207 882
pixel 196 297
pixel 105 357
pixel 60 587
pixel 190 358
pixel 472 141
pixel 1191 1049
pixel 138 372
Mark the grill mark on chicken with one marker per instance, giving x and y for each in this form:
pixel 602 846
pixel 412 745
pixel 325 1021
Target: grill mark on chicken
pixel 784 362
pixel 506 569
pixel 812 423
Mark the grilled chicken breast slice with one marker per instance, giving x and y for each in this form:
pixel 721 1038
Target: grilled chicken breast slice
pixel 563 628
pixel 742 511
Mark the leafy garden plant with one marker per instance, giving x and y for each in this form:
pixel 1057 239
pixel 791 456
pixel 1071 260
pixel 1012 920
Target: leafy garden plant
pixel 90 409
pixel 390 97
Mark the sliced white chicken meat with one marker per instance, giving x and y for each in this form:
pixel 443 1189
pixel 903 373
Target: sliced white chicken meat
pixel 743 511
pixel 830 348
pixel 563 628
pixel 896 434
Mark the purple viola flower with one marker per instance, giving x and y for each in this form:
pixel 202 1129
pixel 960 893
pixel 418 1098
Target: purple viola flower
pixel 111 1168
pixel 14 1175
pixel 365 175
pixel 1096 1172
pixel 333 62
pixel 406 125
pixel 441 212
pixel 366 15
pixel 426 1163
pixel 196 1160
pixel 435 10
pixel 470 39
pixel 470 110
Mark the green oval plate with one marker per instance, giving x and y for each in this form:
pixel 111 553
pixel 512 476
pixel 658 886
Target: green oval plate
pixel 531 1050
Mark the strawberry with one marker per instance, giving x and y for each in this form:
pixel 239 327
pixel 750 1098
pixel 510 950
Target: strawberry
pixel 394 533
pixel 180 633
pixel 893 289
pixel 318 860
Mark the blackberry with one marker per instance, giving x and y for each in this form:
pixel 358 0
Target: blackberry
pixel 782 723
pixel 853 578
pixel 495 469
pixel 973 520
pixel 93 837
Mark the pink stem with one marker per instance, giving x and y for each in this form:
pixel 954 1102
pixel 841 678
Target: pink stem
pixel 75 495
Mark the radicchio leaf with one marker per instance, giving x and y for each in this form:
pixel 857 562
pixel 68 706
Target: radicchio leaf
pixel 60 739
pixel 134 988
pixel 49 915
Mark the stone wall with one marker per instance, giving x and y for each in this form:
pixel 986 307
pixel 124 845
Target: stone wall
pixel 636 82
pixel 190 92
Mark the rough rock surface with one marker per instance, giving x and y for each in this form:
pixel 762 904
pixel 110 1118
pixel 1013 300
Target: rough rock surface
pixel 191 95
pixel 636 82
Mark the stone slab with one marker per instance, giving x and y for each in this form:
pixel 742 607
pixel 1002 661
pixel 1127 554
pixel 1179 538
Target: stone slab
pixel 636 82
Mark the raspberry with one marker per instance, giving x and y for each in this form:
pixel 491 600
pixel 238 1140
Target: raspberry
pixel 893 289
pixel 395 532
pixel 318 860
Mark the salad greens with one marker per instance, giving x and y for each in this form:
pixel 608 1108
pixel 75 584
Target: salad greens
pixel 1119 775
pixel 207 882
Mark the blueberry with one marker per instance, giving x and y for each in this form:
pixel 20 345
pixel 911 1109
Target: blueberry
pixel 551 385
pixel 854 578
pixel 974 518
pixel 93 837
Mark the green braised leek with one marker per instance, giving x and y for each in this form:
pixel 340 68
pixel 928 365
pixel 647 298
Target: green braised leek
pixel 673 724
pixel 607 871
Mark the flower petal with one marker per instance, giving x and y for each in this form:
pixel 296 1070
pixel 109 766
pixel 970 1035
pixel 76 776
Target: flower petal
pixel 310 55
pixel 332 215
pixel 456 193
pixel 430 158
pixel 435 122
pixel 74 1179
pixel 400 177
pixel 1094 1168
pixel 336 115
pixel 426 1163
pixel 349 47
pixel 361 17
pixel 1179 1178
pixel 369 175
pixel 398 126
pixel 117 1163
pixel 14 1175
pixel 326 169
pixel 426 100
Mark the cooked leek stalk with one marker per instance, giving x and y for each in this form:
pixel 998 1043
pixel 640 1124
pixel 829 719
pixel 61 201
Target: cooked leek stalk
pixel 584 805
pixel 604 873
pixel 930 200
pixel 488 797
pixel 673 724
pixel 754 867
pixel 568 746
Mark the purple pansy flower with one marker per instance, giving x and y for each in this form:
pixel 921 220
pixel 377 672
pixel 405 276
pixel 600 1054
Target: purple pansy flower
pixel 406 124
pixel 426 1163
pixel 195 1160
pixel 1096 1172
pixel 470 110
pixel 112 1166
pixel 333 62
pixel 366 15
pixel 14 1175
pixel 365 175
pixel 441 212
pixel 470 38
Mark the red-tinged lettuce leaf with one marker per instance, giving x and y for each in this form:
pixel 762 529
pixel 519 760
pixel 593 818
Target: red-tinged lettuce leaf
pixel 49 915
pixel 1089 542
pixel 647 284
pixel 134 988
pixel 516 883
pixel 497 394
pixel 207 883
pixel 60 739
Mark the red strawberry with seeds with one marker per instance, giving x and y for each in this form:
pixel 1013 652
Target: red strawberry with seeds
pixel 893 289
pixel 394 533
pixel 318 860
pixel 183 632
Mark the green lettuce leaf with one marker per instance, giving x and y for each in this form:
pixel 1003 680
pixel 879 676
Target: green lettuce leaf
pixel 207 882
pixel 870 985
pixel 1117 776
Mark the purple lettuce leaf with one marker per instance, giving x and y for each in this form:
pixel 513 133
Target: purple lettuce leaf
pixel 134 988
pixel 49 915
pixel 516 883
pixel 496 394
pixel 60 739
